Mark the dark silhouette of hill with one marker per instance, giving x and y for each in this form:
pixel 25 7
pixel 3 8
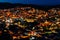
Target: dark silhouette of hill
pixel 12 5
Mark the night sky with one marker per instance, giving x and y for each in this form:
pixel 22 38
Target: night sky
pixel 38 2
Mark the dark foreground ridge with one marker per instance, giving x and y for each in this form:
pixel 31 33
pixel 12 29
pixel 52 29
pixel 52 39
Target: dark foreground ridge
pixel 12 5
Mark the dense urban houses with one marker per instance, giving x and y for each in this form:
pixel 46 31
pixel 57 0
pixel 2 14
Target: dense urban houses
pixel 28 23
